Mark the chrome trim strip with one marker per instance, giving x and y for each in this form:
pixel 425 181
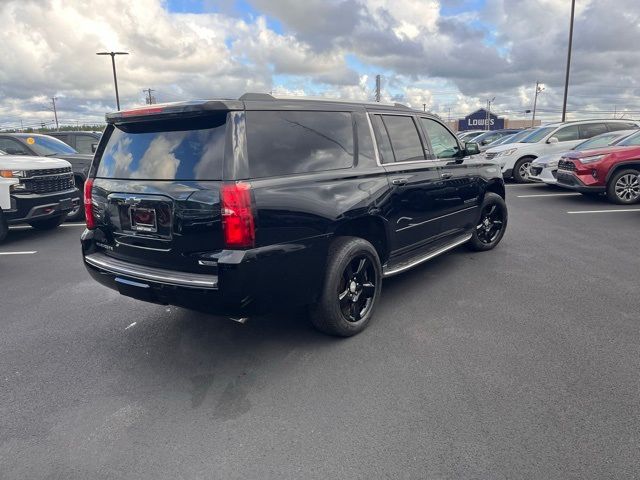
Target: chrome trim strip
pixel 434 219
pixel 429 256
pixel 141 272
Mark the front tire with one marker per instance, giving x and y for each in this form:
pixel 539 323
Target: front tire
pixel 491 224
pixel 521 170
pixel 49 223
pixel 624 187
pixel 351 288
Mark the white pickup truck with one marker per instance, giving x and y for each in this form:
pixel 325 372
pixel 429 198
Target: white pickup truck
pixel 35 190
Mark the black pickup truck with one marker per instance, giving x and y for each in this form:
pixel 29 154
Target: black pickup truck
pixel 34 144
pixel 238 207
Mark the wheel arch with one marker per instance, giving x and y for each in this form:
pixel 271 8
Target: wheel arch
pixel 621 166
pixel 497 187
pixel 370 228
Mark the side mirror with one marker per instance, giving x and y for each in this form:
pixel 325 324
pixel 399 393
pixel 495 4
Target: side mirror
pixel 94 147
pixel 553 140
pixel 471 148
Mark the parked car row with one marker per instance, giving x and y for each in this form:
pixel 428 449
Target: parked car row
pixel 516 158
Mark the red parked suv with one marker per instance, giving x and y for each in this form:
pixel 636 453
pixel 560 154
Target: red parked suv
pixel 612 170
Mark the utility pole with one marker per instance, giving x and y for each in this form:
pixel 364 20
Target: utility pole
pixel 55 112
pixel 113 65
pixel 488 120
pixel 378 88
pixel 539 89
pixel 424 107
pixel 566 81
pixel 150 99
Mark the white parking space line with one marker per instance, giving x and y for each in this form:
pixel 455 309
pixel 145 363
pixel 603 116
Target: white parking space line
pixel 608 211
pixel 549 195
pixel 19 253
pixel 73 225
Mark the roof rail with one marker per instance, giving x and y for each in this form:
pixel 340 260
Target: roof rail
pixel 256 96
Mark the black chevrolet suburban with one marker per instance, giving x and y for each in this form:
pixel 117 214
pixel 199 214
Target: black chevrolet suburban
pixel 238 207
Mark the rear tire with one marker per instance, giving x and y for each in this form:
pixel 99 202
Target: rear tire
pixel 491 224
pixel 49 223
pixel 4 228
pixel 521 170
pixel 623 187
pixel 351 288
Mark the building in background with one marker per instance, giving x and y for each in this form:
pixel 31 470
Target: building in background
pixel 478 121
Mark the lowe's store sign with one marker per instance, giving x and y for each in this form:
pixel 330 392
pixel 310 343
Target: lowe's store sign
pixel 478 121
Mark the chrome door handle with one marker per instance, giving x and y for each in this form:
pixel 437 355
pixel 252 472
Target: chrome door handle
pixel 399 181
pixel 445 175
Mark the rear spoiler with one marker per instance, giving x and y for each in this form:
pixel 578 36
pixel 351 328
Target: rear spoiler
pixel 197 107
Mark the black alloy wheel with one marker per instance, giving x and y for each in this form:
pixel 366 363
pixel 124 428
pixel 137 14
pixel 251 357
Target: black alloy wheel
pixel 491 224
pixel 357 289
pixel 351 288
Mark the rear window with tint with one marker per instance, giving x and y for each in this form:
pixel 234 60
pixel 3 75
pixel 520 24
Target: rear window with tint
pixel 184 149
pixel 288 142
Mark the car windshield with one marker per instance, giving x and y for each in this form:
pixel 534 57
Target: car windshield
pixel 501 141
pixel 596 142
pixel 48 146
pixel 537 135
pixel 631 141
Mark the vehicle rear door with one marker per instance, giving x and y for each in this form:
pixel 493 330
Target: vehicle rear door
pixel 459 196
pixel 156 191
pixel 414 178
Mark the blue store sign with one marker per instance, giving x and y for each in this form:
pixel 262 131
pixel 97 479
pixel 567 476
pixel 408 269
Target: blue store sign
pixel 478 121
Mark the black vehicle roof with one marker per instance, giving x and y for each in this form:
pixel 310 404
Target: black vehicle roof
pixel 256 101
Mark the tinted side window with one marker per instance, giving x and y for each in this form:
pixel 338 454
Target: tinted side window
pixel 567 134
pixel 589 130
pixel 443 143
pixel 12 147
pixel 404 137
pixel 615 126
pixel 382 137
pixel 287 142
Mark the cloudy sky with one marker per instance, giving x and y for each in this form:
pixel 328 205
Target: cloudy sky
pixel 448 54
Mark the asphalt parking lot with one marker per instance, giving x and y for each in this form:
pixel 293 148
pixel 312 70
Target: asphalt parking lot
pixel 521 362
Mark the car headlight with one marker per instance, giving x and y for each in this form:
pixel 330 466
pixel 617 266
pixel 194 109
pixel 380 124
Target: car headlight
pixel 21 187
pixel 13 173
pixel 552 164
pixel 593 159
pixel 506 153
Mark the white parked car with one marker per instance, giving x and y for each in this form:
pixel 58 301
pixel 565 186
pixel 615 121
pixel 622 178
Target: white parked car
pixel 35 190
pixel 545 168
pixel 516 158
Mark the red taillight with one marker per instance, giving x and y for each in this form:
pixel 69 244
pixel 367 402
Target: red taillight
pixel 237 215
pixel 88 206
pixel 142 111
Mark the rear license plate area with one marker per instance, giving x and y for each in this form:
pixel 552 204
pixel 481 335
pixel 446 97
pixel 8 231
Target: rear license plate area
pixel 143 219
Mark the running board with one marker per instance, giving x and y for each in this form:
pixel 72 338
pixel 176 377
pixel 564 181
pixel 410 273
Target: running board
pixel 389 271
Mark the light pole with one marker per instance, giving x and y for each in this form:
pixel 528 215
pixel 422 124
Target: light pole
pixel 566 81
pixel 539 89
pixel 115 78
